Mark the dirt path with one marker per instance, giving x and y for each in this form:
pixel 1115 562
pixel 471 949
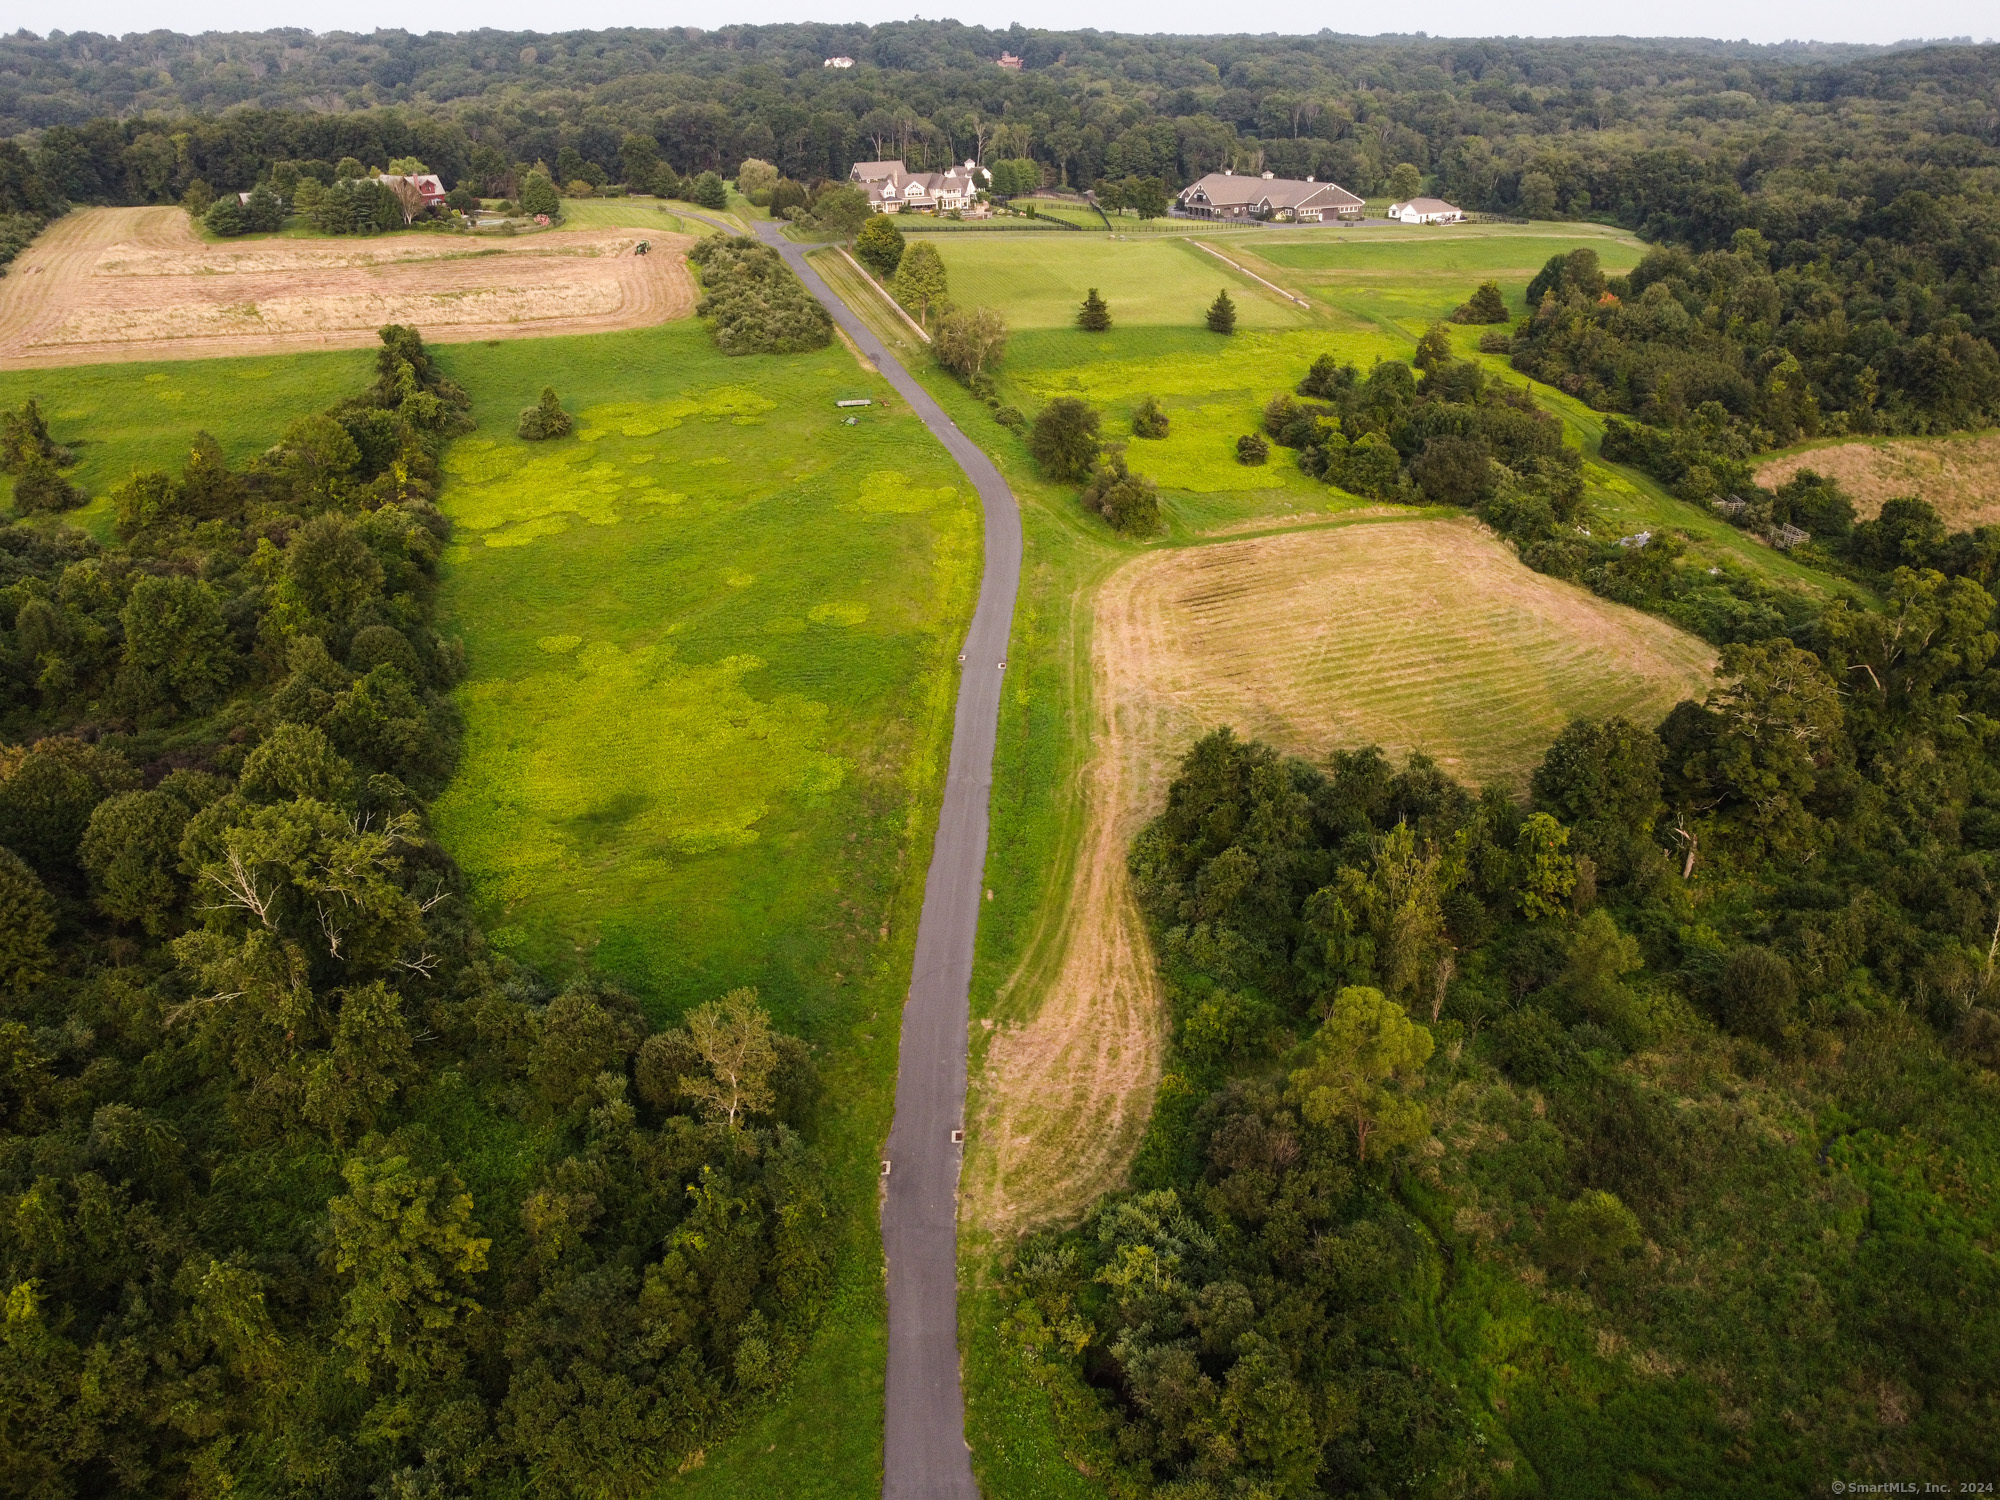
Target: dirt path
pixel 108 284
pixel 1422 635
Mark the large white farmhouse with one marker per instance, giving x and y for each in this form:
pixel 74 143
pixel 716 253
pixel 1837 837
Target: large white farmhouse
pixel 893 187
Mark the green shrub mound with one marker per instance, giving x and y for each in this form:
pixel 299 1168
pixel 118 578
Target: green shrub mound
pixel 1130 502
pixel 1149 418
pixel 754 303
pixel 349 1200
pixel 545 419
pixel 1485 305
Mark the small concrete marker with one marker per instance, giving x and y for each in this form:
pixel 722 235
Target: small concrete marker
pixel 958 1137
pixel 885 1169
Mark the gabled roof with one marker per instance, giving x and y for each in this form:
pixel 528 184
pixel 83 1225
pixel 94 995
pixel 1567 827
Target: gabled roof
pixel 877 171
pixel 1427 206
pixel 1236 190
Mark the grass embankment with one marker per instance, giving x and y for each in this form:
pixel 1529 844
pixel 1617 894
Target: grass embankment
pixel 711 642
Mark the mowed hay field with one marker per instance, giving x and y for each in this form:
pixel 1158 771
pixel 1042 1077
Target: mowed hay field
pixel 1959 476
pixel 139 283
pixel 1413 635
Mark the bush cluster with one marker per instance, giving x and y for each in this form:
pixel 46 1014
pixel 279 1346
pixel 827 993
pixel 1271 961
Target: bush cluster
pixel 754 303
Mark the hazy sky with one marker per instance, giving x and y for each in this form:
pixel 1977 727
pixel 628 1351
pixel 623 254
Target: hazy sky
pixel 1769 21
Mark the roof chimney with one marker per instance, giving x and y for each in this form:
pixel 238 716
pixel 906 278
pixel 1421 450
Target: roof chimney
pixel 1308 179
pixel 1268 176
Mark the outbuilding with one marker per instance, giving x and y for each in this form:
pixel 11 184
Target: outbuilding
pixel 1426 211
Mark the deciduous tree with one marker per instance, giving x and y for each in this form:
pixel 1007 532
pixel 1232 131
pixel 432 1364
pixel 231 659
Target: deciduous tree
pixel 1363 1060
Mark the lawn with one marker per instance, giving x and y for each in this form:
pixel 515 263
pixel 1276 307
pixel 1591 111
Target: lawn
pixel 1038 280
pixel 122 417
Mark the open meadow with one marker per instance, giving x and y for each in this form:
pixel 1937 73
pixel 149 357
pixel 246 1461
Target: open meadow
pixel 711 645
pixel 138 283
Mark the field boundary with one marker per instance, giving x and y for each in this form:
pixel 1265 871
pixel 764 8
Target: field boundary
pixel 1241 270
pixel 883 292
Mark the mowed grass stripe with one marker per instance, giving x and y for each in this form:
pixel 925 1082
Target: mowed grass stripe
pixel 1421 635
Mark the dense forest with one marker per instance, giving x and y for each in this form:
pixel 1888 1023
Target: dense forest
pixel 303 1189
pixel 1641 1136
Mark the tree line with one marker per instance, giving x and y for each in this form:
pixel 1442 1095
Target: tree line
pixel 302 1185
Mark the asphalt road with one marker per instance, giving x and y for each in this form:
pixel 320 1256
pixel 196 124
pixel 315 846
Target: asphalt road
pixel 924 1452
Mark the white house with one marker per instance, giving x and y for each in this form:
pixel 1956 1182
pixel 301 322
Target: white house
pixel 1426 211
pixel 838 62
pixel 892 187
pixel 1225 195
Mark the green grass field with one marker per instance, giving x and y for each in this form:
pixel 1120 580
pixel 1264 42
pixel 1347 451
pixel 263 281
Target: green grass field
pixel 712 645
pixel 122 417
pixel 1038 280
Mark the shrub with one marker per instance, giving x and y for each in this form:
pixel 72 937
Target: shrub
pixel 1486 305
pixel 1757 994
pixel 1149 418
pixel 1011 418
pixel 756 304
pixel 545 419
pixel 879 246
pixel 1497 342
pixel 1251 448
pixel 1130 502
pixel 1222 315
pixel 1065 440
pixel 38 487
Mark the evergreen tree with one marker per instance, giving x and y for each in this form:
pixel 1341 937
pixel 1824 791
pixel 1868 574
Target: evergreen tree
pixel 539 196
pixel 1486 305
pixel 709 192
pixel 545 419
pixel 879 246
pixel 1222 314
pixel 920 283
pixel 1095 314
